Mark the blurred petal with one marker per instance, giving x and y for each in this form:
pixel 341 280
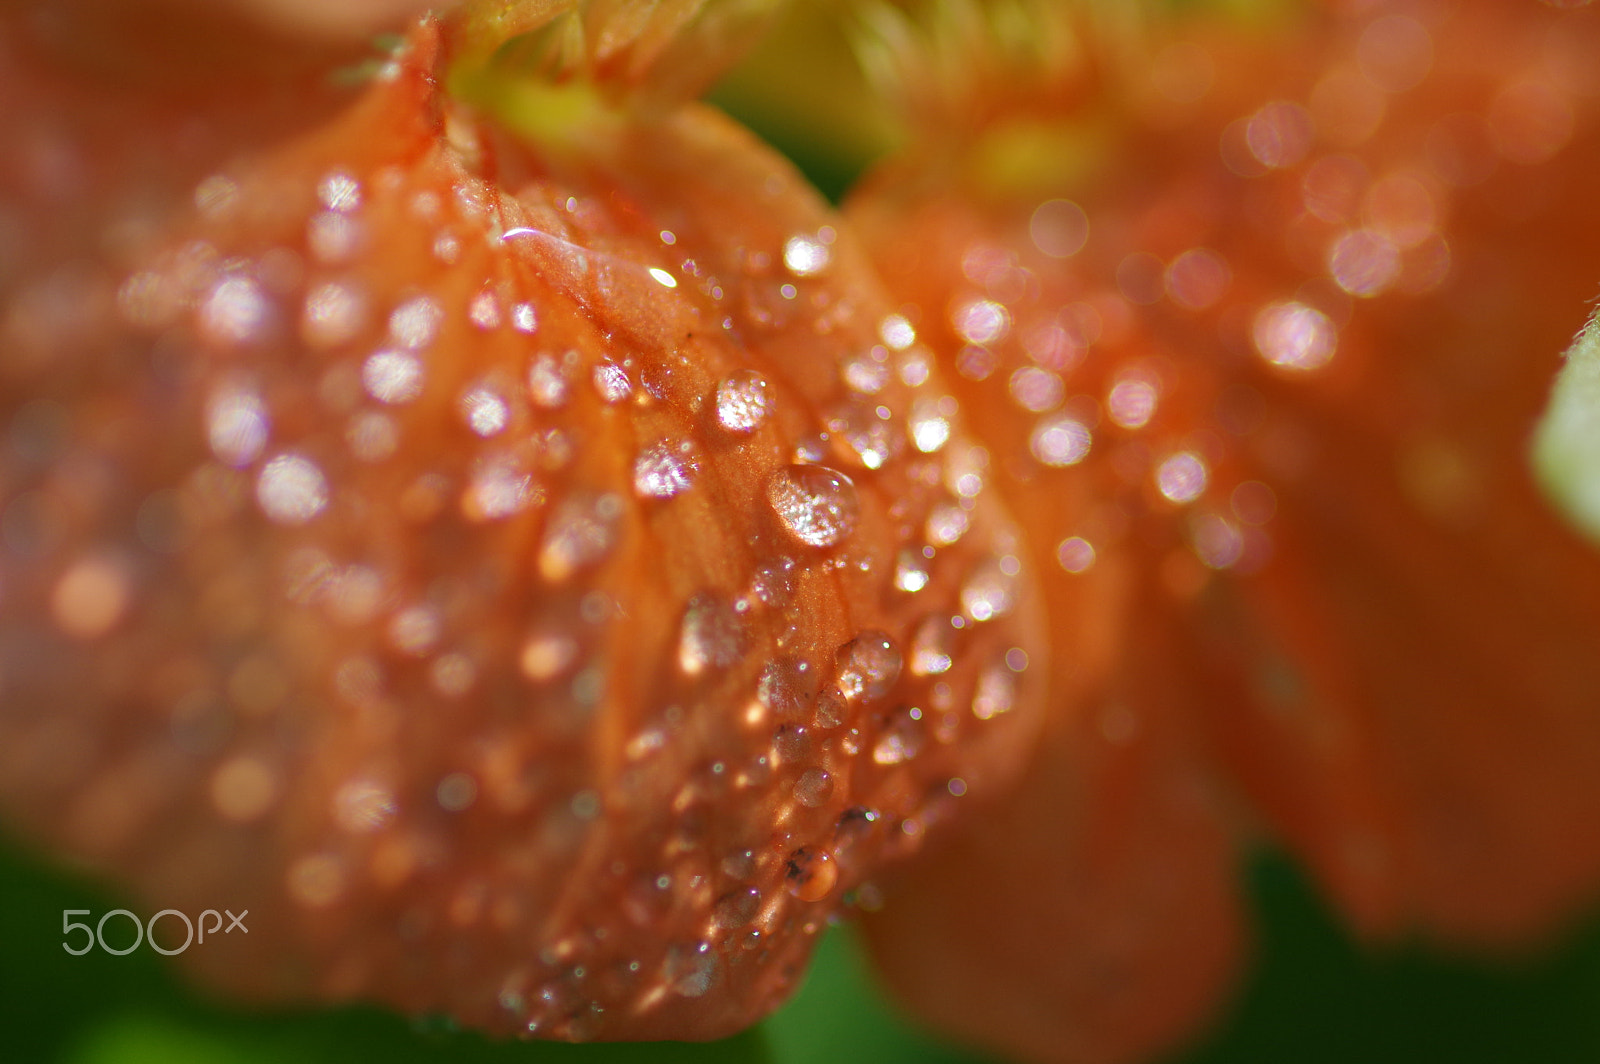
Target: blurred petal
pixel 1092 915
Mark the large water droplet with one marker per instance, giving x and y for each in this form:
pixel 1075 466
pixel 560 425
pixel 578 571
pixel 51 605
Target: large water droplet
pixel 813 788
pixel 816 505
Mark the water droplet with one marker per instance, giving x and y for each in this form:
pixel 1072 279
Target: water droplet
pixel 339 191
pixel 868 667
pixel 932 647
pixel 866 372
pixel 334 314
pixel 910 571
pixel 813 788
pixel 981 321
pixel 1395 53
pixel 1198 278
pixel 236 312
pixel 581 533
pixel 816 505
pixel 415 323
pixel 811 874
pixel 946 524
pixel 236 425
pixel 788 685
pixel 744 401
pixel 485 411
pixel 773 582
pixel 897 332
pixel 989 592
pixel 456 792
pixel 1280 134
pixel 612 382
pixel 1075 554
pixel 996 692
pixel 665 469
pixel 901 739
pixel 498 489
pixel 1364 263
pixel 484 311
pixel 804 256
pixel 1182 477
pixel 711 636
pixel 871 441
pixel 90 598
pixel 362 806
pixel 292 490
pixel 1059 228
pixel 1132 402
pixel 392 376
pixel 1218 543
pixel 547 382
pixel 1036 390
pixel 737 908
pixel 1294 336
pixel 929 425
pixel 523 318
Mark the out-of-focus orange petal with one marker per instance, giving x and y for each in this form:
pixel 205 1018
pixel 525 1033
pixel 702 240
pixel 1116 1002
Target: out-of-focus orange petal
pixel 1091 916
pixel 1269 318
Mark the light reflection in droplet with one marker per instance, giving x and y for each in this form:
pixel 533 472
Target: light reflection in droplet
pixel 1294 336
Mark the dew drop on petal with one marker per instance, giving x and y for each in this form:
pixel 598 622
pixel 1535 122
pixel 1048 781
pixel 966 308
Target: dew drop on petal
pixel 868 667
pixel 788 685
pixel 612 382
pixel 897 332
pixel 804 256
pixel 1075 554
pixel 929 427
pixel 996 692
pixel 711 635
pixel 1059 228
pixel 1280 134
pixel 816 505
pixel 485 411
pixel 547 382
pixel 1181 478
pixel 981 321
pixel 664 469
pixel 1294 336
pixel 744 401
pixel 415 323
pixel 813 788
pixel 235 312
pixel 989 592
pixel 236 426
pixel 580 533
pixel 901 739
pixel 392 376
pixel 292 490
pixel 932 647
pixel 1060 440
pixel 1218 543
pixel 910 572
pixel 1132 403
pixel 1364 262
pixel 1036 390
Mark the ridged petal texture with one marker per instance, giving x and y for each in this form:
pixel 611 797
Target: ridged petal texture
pixel 538 593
